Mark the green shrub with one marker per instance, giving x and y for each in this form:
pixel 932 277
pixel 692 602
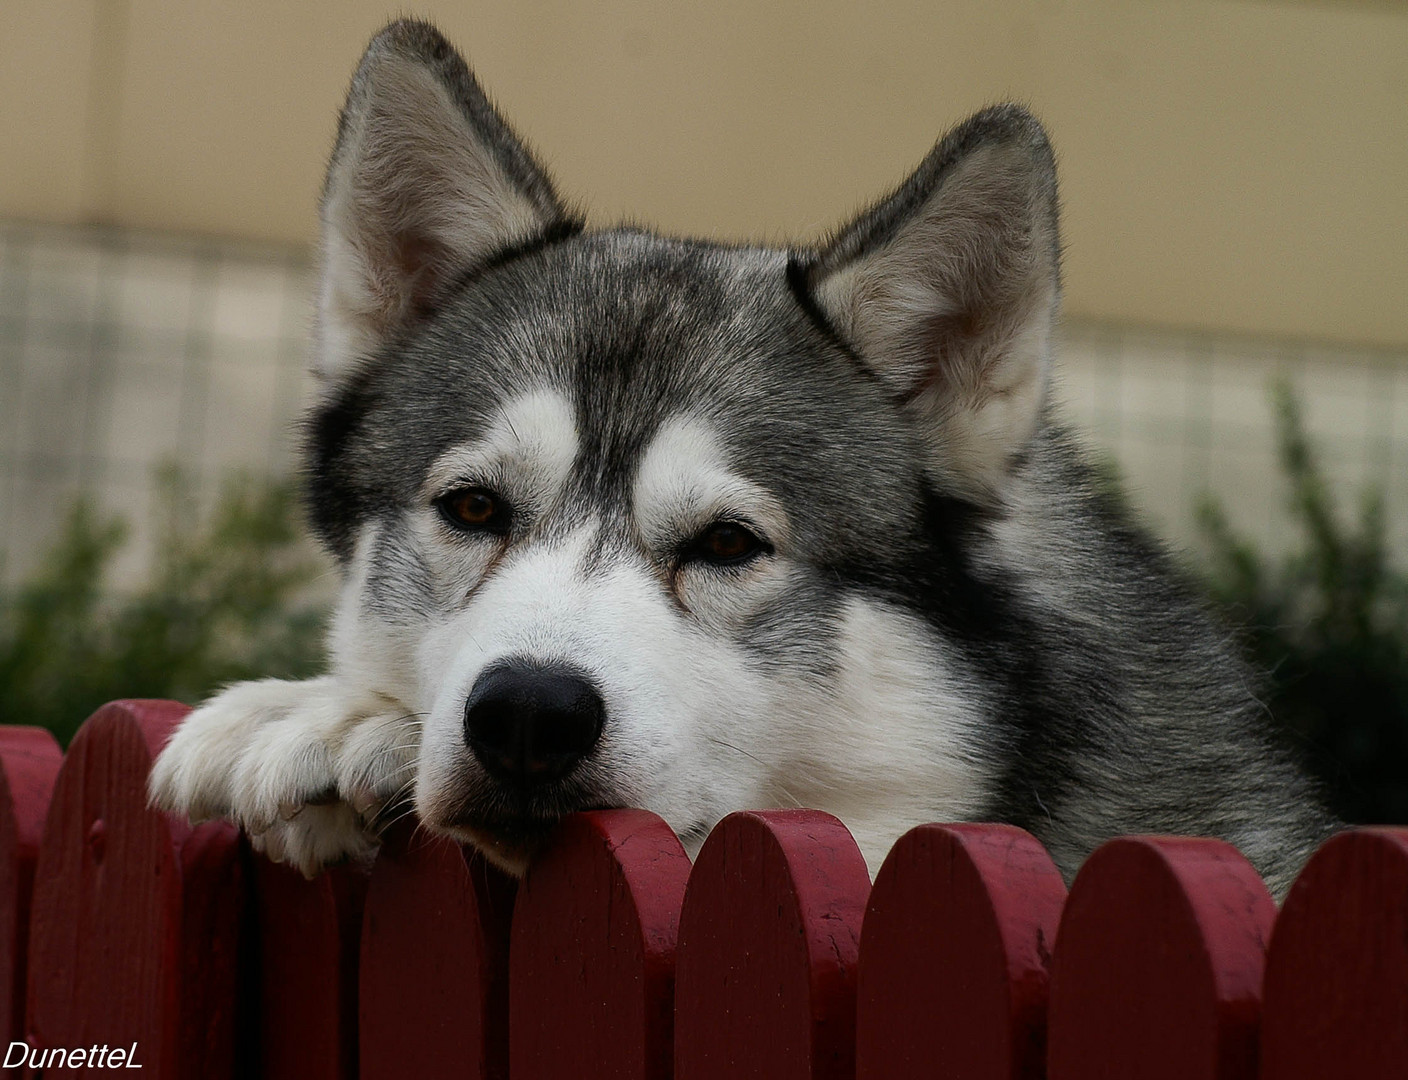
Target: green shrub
pixel 229 596
pixel 1329 621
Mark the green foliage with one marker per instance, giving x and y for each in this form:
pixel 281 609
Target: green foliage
pixel 1330 623
pixel 227 598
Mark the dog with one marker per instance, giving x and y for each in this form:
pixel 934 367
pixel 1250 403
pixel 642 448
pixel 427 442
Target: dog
pixel 632 520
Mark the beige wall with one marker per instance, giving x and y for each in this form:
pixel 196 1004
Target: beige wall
pixel 1232 165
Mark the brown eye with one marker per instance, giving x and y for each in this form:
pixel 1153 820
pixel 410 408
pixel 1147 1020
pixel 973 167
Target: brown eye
pixel 474 510
pixel 726 543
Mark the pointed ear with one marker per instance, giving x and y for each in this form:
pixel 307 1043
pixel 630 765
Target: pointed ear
pixel 426 183
pixel 948 290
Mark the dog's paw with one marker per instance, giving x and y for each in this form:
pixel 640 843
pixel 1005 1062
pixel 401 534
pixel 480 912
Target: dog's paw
pixel 316 835
pixel 306 767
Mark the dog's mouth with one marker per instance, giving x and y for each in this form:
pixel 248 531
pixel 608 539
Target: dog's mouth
pixel 509 829
pixel 511 848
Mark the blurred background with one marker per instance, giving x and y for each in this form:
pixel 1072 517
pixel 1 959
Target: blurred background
pixel 1235 338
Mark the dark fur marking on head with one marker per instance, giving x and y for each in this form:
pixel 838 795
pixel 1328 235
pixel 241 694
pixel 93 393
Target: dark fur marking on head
pixel 798 274
pixel 555 233
pixel 332 500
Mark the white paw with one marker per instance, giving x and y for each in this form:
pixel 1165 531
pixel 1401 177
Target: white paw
pixel 317 835
pixel 306 767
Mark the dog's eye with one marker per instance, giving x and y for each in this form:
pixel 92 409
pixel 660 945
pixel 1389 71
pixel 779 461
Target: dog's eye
pixel 474 509
pixel 727 543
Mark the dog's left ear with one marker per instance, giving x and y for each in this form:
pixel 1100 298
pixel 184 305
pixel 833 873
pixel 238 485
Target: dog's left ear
pixel 948 291
pixel 426 183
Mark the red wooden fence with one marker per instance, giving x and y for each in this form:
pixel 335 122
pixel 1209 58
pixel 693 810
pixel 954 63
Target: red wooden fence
pixel 125 934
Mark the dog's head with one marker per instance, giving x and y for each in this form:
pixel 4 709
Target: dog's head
pixel 634 520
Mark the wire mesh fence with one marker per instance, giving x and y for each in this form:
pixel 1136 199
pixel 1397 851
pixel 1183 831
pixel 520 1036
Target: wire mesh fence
pixel 1189 414
pixel 120 351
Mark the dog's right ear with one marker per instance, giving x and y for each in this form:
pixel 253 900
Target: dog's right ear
pixel 427 182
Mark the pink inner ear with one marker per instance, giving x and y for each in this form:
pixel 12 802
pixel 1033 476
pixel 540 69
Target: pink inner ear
pixel 421 263
pixel 943 341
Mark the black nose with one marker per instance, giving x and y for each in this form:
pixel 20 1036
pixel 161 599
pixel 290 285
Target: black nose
pixel 529 723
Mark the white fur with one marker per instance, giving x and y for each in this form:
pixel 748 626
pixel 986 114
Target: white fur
pixel 894 740
pixel 273 755
pixel 527 450
pixel 682 485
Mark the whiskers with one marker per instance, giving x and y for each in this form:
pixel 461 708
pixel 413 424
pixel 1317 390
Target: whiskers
pixel 793 801
pixel 398 805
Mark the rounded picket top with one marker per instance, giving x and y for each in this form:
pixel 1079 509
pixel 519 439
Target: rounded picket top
pixel 134 938
pixel 434 967
pixel 1336 992
pixel 1158 963
pixel 309 936
pixel 766 968
pixel 954 955
pixel 592 960
pixel 29 764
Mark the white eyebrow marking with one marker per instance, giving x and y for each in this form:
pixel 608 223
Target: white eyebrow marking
pixel 684 482
pixel 533 438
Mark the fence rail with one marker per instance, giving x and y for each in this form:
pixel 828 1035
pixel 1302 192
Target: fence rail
pixel 127 935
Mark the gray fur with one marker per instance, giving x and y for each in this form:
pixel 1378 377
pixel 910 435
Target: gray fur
pixel 1110 702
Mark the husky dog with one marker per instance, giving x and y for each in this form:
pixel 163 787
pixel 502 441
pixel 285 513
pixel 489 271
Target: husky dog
pixel 630 520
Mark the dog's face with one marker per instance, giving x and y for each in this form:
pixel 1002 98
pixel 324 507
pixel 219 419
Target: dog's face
pixel 630 520
pixel 615 498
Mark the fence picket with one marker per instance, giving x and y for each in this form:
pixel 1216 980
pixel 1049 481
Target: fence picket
pixel 592 962
pixel 1158 966
pixel 1337 971
pixel 309 934
pixel 134 936
pixel 29 764
pixel 954 956
pixel 434 966
pixel 616 958
pixel 769 934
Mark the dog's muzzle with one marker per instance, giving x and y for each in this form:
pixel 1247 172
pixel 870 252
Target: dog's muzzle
pixel 530 723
